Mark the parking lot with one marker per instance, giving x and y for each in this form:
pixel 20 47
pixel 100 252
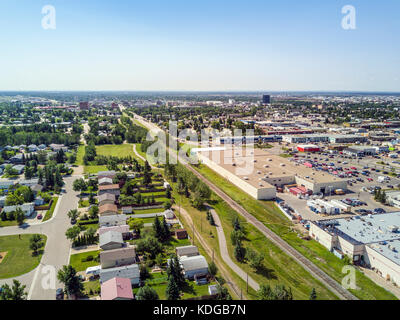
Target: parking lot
pixel 350 169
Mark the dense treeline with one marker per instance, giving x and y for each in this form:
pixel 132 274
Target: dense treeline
pixel 36 134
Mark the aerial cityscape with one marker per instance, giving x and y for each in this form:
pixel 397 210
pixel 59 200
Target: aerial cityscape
pixel 191 187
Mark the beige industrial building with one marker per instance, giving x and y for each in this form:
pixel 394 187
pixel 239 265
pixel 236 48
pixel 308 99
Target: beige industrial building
pixel 259 173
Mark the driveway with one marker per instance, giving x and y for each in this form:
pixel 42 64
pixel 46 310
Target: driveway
pixel 40 281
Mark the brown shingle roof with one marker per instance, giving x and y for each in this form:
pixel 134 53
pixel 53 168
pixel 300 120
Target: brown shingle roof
pixel 108 207
pixel 109 187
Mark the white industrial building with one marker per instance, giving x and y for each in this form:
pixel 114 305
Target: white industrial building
pixel 259 173
pixel 372 241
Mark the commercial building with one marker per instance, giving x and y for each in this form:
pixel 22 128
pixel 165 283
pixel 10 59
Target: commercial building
pixel 306 138
pixel 308 148
pixel 347 138
pixel 372 241
pixel 259 173
pixel 266 99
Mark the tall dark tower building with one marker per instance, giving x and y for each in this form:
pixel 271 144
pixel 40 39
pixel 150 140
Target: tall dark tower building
pixel 266 99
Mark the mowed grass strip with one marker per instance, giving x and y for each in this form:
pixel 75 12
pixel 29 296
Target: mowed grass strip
pixel 115 150
pixel 19 259
pixel 269 214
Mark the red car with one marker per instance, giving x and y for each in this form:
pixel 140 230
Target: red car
pixel 370 179
pixel 39 216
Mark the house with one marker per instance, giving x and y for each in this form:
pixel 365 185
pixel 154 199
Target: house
pixel 111 240
pixel 111 221
pixel 32 148
pixel 108 209
pixel 105 181
pixel 117 257
pixel 127 210
pixel 106 198
pixel 117 289
pixel 27 208
pixel 106 174
pixel 194 266
pixel 19 168
pixel 39 201
pixel 37 188
pixel 18 158
pixel 42 147
pixel 188 251
pixel 112 188
pixel 130 272
pixel 58 147
pixel 124 229
pixel 169 214
pixel 3 201
pixel 181 234
pixel 6 184
pixel 28 183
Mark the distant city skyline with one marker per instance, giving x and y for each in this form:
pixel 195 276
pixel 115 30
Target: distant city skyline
pixel 203 46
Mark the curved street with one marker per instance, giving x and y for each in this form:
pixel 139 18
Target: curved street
pixel 40 281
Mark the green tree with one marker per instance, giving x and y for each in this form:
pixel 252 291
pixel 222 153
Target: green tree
pixel 72 283
pixel 313 294
pixel 73 233
pixel 172 292
pixel 73 214
pixel 19 216
pixel 15 293
pixel 212 269
pixel 35 243
pixel 239 252
pixel 136 225
pixel 146 293
pixel 255 259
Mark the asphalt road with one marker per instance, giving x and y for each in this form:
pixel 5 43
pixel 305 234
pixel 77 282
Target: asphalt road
pixel 41 283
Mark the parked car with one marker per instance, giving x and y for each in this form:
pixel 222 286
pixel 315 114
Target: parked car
pixel 60 294
pixel 39 216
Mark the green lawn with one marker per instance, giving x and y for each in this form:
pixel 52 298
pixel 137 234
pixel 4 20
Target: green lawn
pixel 91 285
pixel 8 223
pixel 79 155
pixel 94 169
pixel 19 259
pixel 269 214
pixel 50 212
pixel 155 210
pixel 76 260
pixel 115 150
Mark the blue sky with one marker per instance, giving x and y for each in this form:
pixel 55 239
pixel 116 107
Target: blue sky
pixel 200 45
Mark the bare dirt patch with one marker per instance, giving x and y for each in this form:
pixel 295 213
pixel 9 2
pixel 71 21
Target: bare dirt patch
pixel 2 256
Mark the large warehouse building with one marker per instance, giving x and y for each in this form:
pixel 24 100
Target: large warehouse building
pixel 372 241
pixel 265 172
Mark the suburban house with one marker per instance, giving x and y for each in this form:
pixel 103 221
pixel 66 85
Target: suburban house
pixel 124 229
pixel 188 251
pixel 6 184
pixel 110 188
pixel 127 210
pixel 37 188
pixel 105 181
pixel 32 148
pixel 117 289
pixel 194 266
pixel 28 183
pixel 3 201
pixel 169 214
pixel 111 240
pixel 112 221
pixel 18 158
pixel 19 168
pixel 117 257
pixel 106 174
pixel 106 198
pixel 39 201
pixel 181 234
pixel 27 208
pixel 108 209
pixel 130 272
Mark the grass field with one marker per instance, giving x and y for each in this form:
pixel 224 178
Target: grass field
pixel 278 267
pixel 76 260
pixel 94 169
pixel 19 259
pixel 79 155
pixel 268 213
pixel 8 223
pixel 50 212
pixel 115 150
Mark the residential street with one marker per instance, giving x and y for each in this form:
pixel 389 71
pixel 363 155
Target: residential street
pixel 57 246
